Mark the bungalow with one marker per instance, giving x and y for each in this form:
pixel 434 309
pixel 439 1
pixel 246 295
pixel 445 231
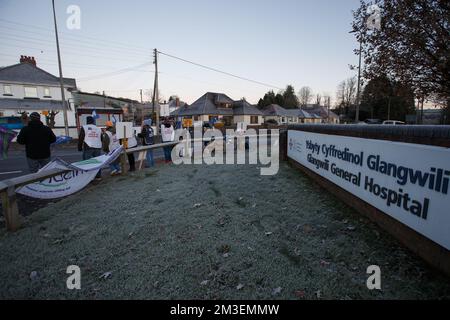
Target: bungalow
pixel 282 116
pixel 323 112
pixel 276 113
pixel 213 107
pixel 247 113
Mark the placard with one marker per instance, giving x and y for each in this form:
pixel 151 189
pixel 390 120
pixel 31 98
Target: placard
pixel 124 130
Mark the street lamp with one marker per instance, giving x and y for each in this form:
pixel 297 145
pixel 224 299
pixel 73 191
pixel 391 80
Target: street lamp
pixel 359 79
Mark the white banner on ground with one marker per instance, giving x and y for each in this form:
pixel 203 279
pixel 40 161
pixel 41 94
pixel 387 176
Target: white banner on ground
pixel 409 182
pixel 70 182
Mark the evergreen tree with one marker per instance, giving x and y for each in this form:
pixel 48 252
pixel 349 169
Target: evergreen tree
pixel 383 98
pixel 290 98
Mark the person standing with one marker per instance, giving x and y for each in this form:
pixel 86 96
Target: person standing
pixel 90 142
pixel 37 139
pixel 147 136
pixel 167 135
pixel 131 143
pixel 111 143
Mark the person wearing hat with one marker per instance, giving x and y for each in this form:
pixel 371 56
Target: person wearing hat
pixel 90 141
pixel 37 139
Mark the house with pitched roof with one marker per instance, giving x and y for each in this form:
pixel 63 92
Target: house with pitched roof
pixel 325 113
pixel 25 88
pixel 213 107
pixel 283 116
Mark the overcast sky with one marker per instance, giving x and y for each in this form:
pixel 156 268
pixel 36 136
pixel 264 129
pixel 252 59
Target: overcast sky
pixel 279 42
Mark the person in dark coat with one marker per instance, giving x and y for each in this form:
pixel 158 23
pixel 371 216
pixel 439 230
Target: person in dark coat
pixel 37 139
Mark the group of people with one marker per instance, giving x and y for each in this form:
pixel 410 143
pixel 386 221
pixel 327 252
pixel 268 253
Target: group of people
pixel 92 142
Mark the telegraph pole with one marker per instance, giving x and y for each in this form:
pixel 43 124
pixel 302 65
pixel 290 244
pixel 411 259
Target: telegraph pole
pixel 141 95
pixel 359 82
pixel 61 81
pixel 155 97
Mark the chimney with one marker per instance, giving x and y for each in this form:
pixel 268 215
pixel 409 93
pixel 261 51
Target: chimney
pixel 27 59
pixel 177 102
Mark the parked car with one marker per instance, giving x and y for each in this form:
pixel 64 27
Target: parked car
pixel 373 121
pixel 393 122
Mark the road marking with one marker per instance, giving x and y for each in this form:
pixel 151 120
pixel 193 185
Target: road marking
pixel 10 172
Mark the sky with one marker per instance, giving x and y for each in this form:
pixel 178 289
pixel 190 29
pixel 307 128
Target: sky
pixel 298 42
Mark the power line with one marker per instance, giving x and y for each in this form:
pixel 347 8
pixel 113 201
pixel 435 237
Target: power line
pixel 220 71
pixel 120 47
pixel 51 62
pixel 69 52
pixel 114 73
pixel 76 38
pixel 127 45
pixel 84 47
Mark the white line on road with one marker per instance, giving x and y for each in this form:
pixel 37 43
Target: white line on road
pixel 10 172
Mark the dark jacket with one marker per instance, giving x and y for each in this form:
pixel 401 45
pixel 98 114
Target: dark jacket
pixel 147 135
pixel 37 139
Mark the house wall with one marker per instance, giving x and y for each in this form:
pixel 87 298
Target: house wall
pixel 280 120
pixel 59 129
pixel 18 91
pixel 246 119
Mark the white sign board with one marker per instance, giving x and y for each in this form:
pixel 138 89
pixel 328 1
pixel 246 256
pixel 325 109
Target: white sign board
pixel 409 182
pixel 136 131
pixel 124 130
pixel 198 123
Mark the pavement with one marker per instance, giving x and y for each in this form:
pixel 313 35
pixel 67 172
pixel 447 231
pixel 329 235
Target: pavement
pixel 16 163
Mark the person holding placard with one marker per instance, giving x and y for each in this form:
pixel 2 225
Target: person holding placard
pixel 167 135
pixel 132 143
pixel 90 142
pixel 147 136
pixel 111 143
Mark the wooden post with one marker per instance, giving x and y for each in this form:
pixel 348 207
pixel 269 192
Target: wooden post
pixel 123 156
pixel 142 157
pixel 10 209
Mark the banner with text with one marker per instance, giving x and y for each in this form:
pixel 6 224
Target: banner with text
pixel 409 182
pixel 83 172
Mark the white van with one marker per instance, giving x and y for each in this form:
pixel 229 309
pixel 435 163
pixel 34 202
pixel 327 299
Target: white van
pixel 393 122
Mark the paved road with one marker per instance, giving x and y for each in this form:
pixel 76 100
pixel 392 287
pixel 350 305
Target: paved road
pixel 16 164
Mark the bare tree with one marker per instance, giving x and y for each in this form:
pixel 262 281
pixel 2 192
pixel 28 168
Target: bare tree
pixel 304 96
pixel 50 118
pixel 346 94
pixel 318 99
pixel 149 96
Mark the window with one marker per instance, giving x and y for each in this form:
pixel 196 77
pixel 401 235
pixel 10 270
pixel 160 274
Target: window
pixel 47 92
pixel 195 118
pixel 228 120
pixel 31 92
pixel 7 90
pixel 253 119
